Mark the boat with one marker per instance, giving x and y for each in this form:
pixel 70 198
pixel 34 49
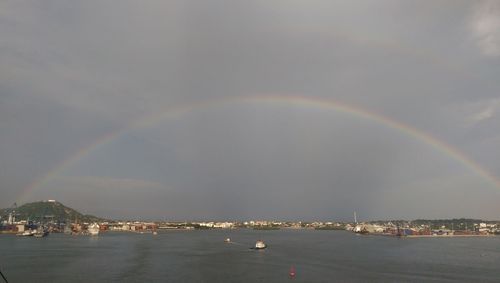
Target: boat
pixel 93 229
pixel 260 245
pixel 40 233
pixel 27 233
pixel 227 240
pixel 155 233
pixel 360 229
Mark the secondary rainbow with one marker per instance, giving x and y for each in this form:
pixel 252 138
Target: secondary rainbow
pixel 300 101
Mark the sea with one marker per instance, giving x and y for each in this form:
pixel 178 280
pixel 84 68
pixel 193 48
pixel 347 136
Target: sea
pixel 203 256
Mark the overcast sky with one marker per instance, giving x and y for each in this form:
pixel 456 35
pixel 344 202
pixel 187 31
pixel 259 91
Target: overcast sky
pixel 72 72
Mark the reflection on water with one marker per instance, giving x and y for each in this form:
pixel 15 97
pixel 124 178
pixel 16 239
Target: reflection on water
pixel 203 256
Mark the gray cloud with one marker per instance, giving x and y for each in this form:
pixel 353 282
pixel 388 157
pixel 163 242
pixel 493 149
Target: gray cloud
pixel 486 27
pixel 72 72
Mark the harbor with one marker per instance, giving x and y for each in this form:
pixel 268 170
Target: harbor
pixel 204 256
pixel 45 220
pixel 246 251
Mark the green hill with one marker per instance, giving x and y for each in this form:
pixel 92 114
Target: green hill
pixel 48 210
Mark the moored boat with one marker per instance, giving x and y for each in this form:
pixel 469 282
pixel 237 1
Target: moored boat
pixel 93 229
pixel 27 233
pixel 40 233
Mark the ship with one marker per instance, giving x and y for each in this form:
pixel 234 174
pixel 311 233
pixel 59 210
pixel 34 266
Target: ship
pixel 93 229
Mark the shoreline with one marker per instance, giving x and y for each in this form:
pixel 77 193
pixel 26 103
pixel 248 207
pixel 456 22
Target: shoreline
pixel 447 236
pixel 431 236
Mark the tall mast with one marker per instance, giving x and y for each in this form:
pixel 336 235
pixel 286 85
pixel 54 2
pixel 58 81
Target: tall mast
pixel 355 218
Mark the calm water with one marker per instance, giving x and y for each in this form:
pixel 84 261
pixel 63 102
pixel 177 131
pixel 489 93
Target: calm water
pixel 202 256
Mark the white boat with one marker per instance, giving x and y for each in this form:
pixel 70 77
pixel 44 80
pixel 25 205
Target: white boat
pixel 227 240
pixel 93 229
pixel 27 233
pixel 259 245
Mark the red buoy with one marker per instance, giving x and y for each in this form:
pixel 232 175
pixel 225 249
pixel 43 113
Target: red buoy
pixel 292 271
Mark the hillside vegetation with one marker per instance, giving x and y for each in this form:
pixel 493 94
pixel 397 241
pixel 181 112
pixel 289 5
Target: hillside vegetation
pixel 47 211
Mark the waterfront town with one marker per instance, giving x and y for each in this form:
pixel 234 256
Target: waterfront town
pixel 58 218
pixel 400 228
pixel 10 223
pixel 389 228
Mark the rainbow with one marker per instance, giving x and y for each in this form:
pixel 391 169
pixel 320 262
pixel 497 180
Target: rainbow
pixel 300 101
